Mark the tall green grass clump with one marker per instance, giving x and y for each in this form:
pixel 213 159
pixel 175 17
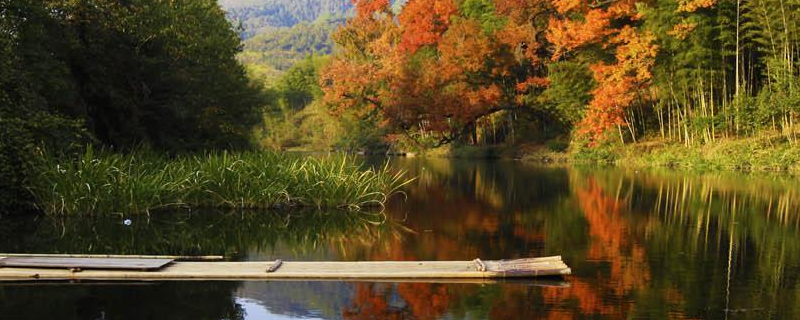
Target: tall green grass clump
pixel 140 182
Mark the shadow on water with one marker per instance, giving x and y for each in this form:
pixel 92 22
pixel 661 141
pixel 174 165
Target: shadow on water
pixel 169 300
pixel 650 245
pixel 232 234
pixel 237 235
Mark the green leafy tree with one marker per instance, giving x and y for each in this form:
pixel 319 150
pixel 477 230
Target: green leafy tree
pixel 119 74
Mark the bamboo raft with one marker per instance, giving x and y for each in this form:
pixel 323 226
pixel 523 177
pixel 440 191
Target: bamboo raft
pixel 156 268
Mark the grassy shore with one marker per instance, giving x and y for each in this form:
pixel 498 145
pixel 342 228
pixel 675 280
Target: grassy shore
pixel 106 183
pixel 750 154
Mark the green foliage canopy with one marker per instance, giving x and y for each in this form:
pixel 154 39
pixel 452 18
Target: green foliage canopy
pixel 121 74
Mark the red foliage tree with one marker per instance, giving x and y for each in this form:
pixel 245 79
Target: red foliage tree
pixel 444 91
pixel 424 22
pixel 366 9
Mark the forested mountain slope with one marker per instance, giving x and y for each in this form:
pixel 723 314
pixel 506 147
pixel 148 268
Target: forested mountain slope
pixel 264 15
pixel 280 48
pixel 259 16
pixel 279 33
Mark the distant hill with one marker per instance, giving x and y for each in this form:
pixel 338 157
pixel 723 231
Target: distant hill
pixel 258 16
pixel 280 48
pixel 278 33
pixel 239 3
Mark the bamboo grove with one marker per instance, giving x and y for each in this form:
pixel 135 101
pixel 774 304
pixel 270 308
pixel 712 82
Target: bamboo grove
pixel 487 71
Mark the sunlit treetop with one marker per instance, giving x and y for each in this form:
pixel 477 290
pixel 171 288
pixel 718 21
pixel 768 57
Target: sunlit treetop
pixel 366 9
pixel 424 22
pixel 567 34
pixel 694 5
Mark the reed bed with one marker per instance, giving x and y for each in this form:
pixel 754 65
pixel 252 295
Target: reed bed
pixel 140 182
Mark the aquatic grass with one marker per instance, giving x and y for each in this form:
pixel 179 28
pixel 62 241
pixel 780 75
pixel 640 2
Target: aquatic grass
pixel 140 182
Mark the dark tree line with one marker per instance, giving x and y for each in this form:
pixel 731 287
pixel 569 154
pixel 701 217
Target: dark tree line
pixel 119 74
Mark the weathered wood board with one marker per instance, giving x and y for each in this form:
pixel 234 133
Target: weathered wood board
pixel 84 263
pixel 550 282
pixel 419 270
pixel 113 256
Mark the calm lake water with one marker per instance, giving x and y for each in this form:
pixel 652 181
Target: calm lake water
pixel 641 244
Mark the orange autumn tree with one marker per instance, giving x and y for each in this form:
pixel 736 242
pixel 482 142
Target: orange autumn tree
pixel 445 70
pixel 611 24
pixel 354 81
pixel 424 22
pixel 432 72
pixel 365 9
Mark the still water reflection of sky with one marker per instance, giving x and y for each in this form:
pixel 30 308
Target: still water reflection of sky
pixel 255 310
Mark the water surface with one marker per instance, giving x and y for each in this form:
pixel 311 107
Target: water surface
pixel 641 244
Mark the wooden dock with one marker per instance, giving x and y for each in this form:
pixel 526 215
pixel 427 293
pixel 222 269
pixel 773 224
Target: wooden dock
pixel 92 269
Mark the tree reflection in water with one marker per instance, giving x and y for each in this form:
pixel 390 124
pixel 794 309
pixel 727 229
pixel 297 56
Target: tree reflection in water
pixel 416 301
pixel 656 245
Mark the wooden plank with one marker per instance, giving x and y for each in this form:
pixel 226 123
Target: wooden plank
pixel 115 256
pixel 390 270
pixel 18 284
pixel 535 282
pixel 84 263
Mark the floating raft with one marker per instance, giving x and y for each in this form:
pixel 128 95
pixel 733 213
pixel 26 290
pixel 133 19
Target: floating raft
pixel 43 268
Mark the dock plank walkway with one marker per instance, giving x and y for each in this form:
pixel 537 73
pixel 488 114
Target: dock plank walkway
pixel 85 263
pixel 179 270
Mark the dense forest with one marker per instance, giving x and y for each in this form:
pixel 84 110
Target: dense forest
pixel 161 74
pixel 505 71
pixel 136 106
pixel 397 75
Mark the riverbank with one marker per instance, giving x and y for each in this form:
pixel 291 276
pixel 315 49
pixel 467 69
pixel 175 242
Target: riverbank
pixel 751 154
pixel 100 183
